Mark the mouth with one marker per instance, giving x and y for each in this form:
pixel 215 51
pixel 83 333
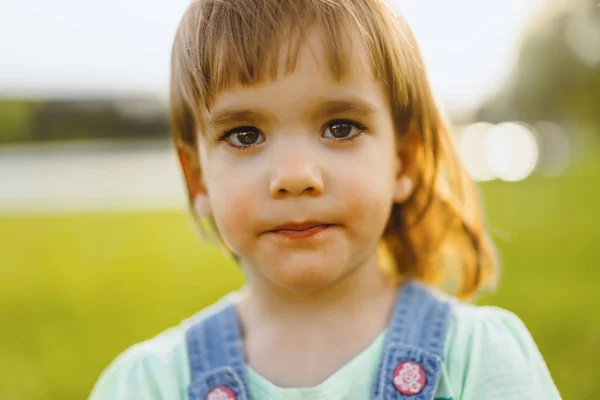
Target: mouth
pixel 302 226
pixel 301 230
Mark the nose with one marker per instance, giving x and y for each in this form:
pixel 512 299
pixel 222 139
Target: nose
pixel 295 175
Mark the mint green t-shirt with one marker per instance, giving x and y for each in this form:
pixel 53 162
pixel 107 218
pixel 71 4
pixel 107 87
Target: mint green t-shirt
pixel 353 381
pixel 489 354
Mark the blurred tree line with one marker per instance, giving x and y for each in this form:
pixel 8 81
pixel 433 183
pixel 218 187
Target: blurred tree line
pixel 23 120
pixel 557 76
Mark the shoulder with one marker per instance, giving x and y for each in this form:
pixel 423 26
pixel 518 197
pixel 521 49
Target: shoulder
pixel 491 354
pixel 153 369
pixel 487 328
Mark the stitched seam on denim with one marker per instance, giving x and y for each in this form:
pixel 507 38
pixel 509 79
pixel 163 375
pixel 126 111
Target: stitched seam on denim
pixel 197 361
pixel 234 350
pixel 397 331
pixel 422 305
pixel 191 351
pixel 441 324
pixel 430 320
pixel 221 333
pixel 420 317
pixel 203 348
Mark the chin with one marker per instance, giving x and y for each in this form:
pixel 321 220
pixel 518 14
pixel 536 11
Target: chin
pixel 306 276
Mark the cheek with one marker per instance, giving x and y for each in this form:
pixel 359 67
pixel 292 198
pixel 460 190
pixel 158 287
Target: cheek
pixel 367 198
pixel 234 201
pixel 368 189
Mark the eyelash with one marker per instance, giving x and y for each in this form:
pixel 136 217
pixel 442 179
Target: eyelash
pixel 361 128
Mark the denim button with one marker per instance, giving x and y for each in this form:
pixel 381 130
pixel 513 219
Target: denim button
pixel 409 378
pixel 221 393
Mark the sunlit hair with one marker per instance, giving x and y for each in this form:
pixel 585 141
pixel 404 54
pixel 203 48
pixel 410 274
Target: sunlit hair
pixel 437 236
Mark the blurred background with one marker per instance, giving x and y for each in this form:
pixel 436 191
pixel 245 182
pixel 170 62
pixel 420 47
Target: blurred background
pixel 97 251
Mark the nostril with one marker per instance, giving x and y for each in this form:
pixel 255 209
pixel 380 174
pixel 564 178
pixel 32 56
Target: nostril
pixel 284 191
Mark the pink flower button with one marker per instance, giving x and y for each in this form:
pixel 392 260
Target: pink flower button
pixel 221 393
pixel 409 378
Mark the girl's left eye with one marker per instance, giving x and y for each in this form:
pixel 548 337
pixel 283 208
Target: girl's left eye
pixel 344 130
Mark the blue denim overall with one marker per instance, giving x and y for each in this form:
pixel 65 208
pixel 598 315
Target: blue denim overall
pixel 415 339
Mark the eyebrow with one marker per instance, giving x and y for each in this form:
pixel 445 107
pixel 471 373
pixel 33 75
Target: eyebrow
pixel 229 116
pixel 356 106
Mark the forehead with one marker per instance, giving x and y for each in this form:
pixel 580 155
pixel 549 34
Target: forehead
pixel 311 77
pixel 337 49
pixel 314 52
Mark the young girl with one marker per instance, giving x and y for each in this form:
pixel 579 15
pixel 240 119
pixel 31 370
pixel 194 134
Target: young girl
pixel 312 145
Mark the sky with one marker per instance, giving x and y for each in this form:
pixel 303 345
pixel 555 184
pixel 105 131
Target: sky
pixel 121 48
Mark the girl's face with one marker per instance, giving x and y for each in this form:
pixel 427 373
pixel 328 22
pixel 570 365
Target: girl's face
pixel 303 147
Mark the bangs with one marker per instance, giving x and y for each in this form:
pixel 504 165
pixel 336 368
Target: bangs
pixel 224 43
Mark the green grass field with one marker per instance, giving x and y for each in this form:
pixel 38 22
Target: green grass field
pixel 76 290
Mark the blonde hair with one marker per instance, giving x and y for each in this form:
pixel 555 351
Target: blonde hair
pixel 436 236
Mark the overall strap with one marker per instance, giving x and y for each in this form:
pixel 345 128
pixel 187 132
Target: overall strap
pixel 414 345
pixel 216 355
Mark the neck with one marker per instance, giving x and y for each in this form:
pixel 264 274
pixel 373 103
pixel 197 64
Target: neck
pixel 361 296
pixel 341 320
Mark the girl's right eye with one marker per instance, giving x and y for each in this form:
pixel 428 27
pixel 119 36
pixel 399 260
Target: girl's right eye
pixel 242 138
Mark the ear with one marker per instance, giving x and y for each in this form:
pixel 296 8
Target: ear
pixel 196 188
pixel 409 150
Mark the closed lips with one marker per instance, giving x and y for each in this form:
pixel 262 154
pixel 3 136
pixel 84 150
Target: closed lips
pixel 299 227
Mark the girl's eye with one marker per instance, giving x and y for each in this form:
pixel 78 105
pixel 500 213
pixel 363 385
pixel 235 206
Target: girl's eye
pixel 344 130
pixel 246 137
pixel 242 138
